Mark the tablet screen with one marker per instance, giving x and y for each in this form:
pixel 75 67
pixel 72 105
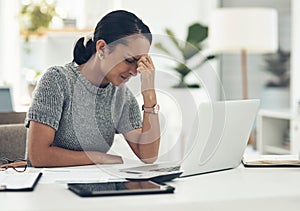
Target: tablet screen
pixel 119 188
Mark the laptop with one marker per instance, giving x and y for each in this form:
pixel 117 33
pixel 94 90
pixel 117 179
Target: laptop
pixel 5 99
pixel 217 140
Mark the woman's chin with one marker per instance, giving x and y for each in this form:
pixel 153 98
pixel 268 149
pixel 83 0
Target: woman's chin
pixel 119 83
pixel 122 82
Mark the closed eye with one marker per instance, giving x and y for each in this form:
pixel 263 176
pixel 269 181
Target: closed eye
pixel 130 61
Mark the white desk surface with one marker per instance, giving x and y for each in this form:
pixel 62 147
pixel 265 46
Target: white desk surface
pixel 237 189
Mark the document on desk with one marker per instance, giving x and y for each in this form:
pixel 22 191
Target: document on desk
pixel 19 181
pixel 141 175
pixel 81 174
pixel 271 161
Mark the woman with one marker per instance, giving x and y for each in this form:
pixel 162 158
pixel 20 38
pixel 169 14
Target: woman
pixel 77 108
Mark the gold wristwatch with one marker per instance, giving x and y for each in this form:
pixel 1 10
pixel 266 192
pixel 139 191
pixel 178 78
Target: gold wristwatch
pixel 153 110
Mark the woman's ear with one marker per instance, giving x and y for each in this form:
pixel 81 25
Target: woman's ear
pixel 100 44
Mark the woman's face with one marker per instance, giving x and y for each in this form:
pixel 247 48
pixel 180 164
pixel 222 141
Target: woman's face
pixel 120 64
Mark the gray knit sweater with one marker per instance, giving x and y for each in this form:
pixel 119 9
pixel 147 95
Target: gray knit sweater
pixel 84 116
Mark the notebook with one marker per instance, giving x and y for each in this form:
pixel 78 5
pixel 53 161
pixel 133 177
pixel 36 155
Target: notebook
pixel 216 141
pixel 19 181
pixel 271 161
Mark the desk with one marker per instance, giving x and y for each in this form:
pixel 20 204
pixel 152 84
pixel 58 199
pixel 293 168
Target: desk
pixel 236 189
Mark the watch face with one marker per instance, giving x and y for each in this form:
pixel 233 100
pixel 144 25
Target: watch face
pixel 156 109
pixel 153 110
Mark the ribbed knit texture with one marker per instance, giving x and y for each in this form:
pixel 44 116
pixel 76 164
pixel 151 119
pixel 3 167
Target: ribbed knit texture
pixel 84 116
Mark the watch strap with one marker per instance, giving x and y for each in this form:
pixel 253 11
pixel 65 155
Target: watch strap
pixel 153 110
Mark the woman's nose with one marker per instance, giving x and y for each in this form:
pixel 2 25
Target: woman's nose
pixel 132 70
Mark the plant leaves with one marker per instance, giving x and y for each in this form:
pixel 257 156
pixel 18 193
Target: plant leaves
pixel 171 34
pixel 278 64
pixel 196 33
pixel 182 69
pixel 162 48
pixel 36 16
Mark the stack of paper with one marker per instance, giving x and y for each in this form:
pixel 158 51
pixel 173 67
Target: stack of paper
pixel 271 161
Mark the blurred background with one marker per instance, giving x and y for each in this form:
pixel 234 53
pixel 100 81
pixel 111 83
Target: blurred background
pixel 37 34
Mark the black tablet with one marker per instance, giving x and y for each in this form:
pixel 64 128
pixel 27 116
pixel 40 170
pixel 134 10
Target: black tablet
pixel 119 188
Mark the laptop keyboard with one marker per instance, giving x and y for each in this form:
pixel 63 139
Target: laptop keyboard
pixel 155 168
pixel 167 169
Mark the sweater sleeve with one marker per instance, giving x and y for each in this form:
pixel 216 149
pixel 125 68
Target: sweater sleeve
pixel 47 102
pixel 131 115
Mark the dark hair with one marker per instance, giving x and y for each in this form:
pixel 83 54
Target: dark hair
pixel 112 27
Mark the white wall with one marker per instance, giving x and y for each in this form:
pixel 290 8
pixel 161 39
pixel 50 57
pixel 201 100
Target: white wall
pixel 10 73
pixel 295 61
pixel 1 39
pixel 158 14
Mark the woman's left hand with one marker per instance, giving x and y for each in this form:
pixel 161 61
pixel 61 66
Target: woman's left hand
pixel 146 68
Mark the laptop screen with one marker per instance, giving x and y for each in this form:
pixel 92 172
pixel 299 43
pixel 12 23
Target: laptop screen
pixel 5 99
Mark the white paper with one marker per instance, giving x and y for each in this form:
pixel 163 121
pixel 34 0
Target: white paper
pixel 250 158
pixel 82 174
pixel 119 172
pixel 17 180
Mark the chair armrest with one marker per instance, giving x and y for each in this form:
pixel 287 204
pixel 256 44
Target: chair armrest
pixel 12 117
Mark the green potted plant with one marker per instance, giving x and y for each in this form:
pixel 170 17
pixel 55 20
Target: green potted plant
pixel 194 43
pixel 35 17
pixel 275 95
pixel 278 64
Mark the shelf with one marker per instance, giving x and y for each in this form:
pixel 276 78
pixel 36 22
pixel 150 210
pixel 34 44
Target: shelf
pixel 278 113
pixel 273 124
pixel 275 150
pixel 44 32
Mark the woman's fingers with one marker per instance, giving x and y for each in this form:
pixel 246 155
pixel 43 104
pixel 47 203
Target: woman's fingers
pixel 141 67
pixel 146 68
pixel 145 63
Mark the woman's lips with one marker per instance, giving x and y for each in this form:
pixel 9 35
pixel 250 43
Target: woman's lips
pixel 125 78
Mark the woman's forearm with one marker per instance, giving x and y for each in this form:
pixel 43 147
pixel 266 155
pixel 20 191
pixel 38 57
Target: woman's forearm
pixel 41 153
pixel 55 156
pixel 150 137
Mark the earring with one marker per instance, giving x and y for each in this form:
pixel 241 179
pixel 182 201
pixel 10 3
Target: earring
pixel 100 55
